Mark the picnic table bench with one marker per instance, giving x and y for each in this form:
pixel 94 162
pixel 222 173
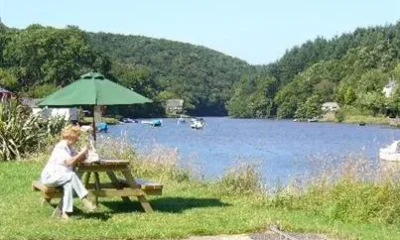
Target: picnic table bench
pixel 125 187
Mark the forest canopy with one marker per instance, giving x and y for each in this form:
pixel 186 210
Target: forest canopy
pixel 350 69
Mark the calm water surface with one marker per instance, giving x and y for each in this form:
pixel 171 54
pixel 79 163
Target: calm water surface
pixel 283 149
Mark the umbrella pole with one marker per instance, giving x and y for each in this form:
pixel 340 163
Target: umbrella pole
pixel 94 126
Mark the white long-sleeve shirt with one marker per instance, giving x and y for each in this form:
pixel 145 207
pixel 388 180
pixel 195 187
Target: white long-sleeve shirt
pixel 57 160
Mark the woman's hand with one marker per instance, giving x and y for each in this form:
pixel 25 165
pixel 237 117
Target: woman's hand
pixel 84 150
pixel 81 156
pixel 83 153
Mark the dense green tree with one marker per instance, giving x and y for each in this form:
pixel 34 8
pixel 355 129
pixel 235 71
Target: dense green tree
pixel 372 101
pixel 310 109
pixel 253 97
pixel 44 55
pixel 350 96
pixel 8 80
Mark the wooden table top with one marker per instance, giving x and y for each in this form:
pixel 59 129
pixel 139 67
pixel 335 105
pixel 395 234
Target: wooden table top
pixel 106 162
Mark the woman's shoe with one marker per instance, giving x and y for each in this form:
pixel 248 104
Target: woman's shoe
pixel 88 205
pixel 64 216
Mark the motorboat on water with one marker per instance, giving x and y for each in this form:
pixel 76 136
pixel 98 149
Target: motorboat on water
pixel 129 120
pixel 312 120
pixel 153 123
pixel 390 152
pixel 102 127
pixel 197 123
pixel 181 120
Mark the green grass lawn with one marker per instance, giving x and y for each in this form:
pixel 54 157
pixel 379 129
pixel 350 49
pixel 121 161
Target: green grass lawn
pixel 108 120
pixel 185 209
pixel 366 119
pixel 330 117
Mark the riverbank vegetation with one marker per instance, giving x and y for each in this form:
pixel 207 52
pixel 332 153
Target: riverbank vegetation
pixel 349 115
pixel 349 200
pixel 352 201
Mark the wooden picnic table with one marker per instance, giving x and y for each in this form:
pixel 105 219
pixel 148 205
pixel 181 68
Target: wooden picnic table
pixel 124 186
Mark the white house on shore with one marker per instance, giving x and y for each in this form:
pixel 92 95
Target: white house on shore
pixel 174 106
pixel 69 114
pixel 389 88
pixel 330 106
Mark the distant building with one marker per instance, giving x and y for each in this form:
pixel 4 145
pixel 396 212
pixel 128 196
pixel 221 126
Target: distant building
pixel 69 114
pixel 389 88
pixel 30 102
pixel 330 107
pixel 174 106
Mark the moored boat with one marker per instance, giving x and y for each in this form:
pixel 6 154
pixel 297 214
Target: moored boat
pixel 181 119
pixel 129 120
pixel 390 152
pixel 197 123
pixel 153 123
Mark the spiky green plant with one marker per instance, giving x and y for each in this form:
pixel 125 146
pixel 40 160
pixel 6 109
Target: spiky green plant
pixel 20 131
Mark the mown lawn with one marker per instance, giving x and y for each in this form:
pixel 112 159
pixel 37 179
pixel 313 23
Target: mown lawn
pixel 185 209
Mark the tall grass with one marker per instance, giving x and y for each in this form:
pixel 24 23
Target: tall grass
pixel 164 164
pixel 356 191
pixel 159 162
pixel 243 178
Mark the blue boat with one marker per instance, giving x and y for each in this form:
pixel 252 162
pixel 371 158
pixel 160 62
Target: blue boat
pixel 153 123
pixel 102 127
pixel 156 123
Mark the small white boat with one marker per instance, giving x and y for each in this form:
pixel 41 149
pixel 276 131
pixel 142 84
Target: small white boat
pixel 128 120
pixel 390 152
pixel 312 120
pixel 86 128
pixel 153 123
pixel 197 124
pixel 181 120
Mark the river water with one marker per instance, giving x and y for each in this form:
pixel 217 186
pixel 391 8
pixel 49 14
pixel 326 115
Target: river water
pixel 282 149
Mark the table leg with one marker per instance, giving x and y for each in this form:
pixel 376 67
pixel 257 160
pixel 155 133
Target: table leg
pixel 97 185
pixel 87 179
pixel 117 184
pixel 142 199
pixel 46 200
pixel 58 210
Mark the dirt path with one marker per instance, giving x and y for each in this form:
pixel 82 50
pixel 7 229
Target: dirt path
pixel 268 235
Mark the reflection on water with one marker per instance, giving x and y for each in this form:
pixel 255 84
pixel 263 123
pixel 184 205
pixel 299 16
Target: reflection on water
pixel 283 149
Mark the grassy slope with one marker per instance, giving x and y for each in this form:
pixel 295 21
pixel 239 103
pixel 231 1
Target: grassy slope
pixel 330 117
pixel 185 209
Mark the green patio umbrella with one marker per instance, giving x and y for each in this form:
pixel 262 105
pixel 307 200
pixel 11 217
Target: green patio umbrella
pixel 93 89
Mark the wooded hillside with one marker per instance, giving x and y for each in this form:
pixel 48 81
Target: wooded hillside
pixel 351 69
pixel 38 60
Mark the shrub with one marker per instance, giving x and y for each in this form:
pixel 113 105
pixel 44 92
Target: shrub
pixel 160 163
pixel 20 132
pixel 241 179
pixel 340 115
pixel 54 125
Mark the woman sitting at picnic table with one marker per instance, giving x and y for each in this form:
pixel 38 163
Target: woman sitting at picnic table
pixel 59 170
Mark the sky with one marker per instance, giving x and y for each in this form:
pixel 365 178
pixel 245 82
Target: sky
pixel 257 31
